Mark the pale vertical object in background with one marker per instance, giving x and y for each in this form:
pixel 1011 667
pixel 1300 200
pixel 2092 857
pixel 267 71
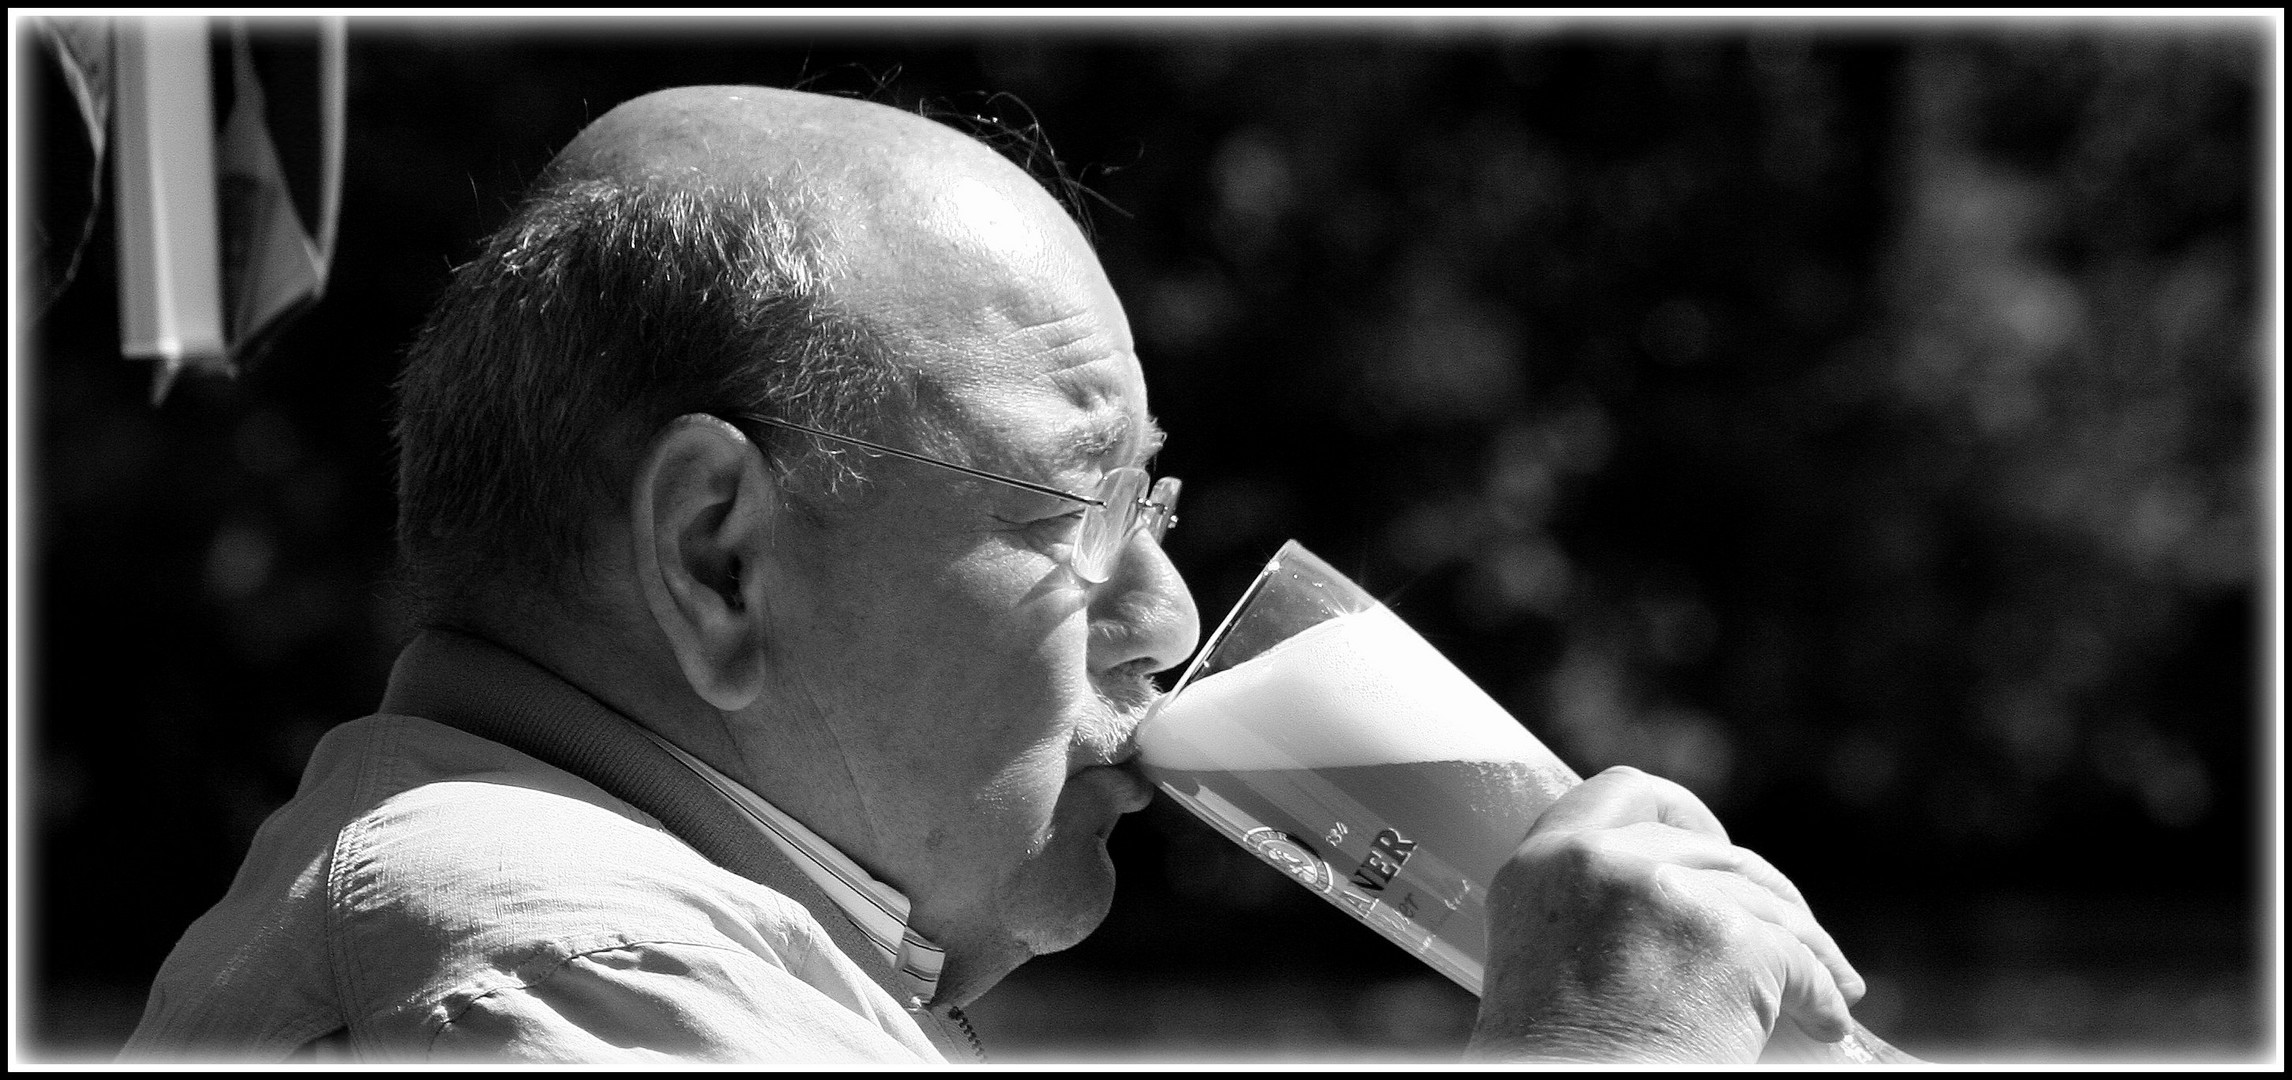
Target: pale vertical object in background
pixel 333 104
pixel 170 295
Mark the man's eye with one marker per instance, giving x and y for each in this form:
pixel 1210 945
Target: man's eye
pixel 1059 527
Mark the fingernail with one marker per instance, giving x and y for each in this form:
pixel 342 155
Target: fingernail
pixel 1827 1026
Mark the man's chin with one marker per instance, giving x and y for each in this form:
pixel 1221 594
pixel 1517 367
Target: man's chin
pixel 1044 940
pixel 1058 917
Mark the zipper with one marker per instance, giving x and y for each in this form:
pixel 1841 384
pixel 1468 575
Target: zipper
pixel 978 1051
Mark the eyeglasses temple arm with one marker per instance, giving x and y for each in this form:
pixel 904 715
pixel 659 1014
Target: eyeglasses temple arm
pixel 912 456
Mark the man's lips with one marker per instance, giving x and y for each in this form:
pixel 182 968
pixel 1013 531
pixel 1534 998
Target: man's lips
pixel 1121 785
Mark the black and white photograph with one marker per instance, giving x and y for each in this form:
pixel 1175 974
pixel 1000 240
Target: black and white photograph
pixel 1146 538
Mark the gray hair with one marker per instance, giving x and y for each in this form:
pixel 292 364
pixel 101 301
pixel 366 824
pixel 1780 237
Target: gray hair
pixel 601 311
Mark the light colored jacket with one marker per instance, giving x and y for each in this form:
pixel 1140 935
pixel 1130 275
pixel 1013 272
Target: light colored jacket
pixel 431 894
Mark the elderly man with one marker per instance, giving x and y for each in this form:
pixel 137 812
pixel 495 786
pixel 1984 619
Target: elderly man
pixel 773 483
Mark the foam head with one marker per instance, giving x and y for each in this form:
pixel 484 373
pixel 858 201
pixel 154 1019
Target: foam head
pixel 1359 689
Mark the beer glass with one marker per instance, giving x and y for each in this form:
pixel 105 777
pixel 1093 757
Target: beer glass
pixel 1317 730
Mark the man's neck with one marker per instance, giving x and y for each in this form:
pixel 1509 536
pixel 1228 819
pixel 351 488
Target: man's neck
pixel 775 749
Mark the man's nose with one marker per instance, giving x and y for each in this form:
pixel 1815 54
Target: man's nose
pixel 1143 614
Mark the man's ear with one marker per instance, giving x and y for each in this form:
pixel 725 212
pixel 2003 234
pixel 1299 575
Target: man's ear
pixel 701 511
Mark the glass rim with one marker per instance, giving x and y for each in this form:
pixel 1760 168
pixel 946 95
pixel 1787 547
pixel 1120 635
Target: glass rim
pixel 1209 646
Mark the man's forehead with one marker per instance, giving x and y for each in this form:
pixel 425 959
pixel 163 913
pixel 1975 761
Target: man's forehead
pixel 1103 390
pixel 1080 418
pixel 985 259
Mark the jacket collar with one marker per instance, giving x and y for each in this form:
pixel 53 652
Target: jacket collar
pixel 468 682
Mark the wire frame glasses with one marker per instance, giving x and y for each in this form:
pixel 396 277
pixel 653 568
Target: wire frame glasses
pixel 1127 500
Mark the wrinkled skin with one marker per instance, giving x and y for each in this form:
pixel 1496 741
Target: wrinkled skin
pixel 1627 928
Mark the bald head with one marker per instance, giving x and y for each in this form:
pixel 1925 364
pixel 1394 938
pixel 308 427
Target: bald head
pixel 911 216
pixel 901 201
pixel 761 136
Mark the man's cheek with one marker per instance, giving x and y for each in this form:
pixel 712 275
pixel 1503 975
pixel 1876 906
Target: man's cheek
pixel 1024 788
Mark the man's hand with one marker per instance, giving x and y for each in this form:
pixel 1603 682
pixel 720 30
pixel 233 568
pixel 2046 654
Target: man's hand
pixel 1627 928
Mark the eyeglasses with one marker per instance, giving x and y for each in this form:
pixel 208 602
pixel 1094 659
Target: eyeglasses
pixel 1127 500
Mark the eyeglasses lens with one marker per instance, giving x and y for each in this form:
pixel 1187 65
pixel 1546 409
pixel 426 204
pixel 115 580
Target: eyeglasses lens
pixel 1123 504
pixel 1104 528
pixel 1161 509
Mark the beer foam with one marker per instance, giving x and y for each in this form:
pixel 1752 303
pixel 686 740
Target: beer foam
pixel 1360 689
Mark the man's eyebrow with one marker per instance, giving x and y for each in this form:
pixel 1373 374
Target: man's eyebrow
pixel 1104 435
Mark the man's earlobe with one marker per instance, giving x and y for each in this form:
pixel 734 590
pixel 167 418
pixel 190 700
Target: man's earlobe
pixel 700 508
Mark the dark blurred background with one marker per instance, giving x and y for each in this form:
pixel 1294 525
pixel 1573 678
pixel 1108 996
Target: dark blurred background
pixel 1864 424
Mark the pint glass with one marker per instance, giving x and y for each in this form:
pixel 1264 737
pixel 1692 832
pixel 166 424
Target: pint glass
pixel 1317 730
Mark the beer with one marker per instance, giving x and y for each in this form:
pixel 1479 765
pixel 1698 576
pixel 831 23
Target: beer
pixel 1356 759
pixel 1323 734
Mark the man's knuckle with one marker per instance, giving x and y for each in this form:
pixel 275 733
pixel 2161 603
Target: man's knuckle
pixel 1593 856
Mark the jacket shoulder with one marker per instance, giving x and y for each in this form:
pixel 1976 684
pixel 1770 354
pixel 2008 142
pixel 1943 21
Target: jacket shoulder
pixel 473 875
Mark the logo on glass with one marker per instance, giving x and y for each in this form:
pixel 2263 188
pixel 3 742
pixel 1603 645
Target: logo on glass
pixel 1292 857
